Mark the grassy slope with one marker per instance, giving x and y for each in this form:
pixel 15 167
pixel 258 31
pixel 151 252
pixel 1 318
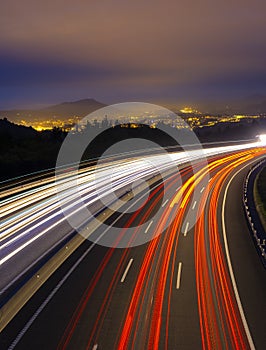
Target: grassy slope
pixel 260 195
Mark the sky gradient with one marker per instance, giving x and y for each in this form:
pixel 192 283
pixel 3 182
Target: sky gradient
pixel 117 51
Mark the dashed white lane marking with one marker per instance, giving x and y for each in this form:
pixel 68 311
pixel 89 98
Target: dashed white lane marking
pixel 194 205
pixel 186 228
pixel 178 279
pixel 126 270
pixel 165 202
pixel 148 227
pixel 202 189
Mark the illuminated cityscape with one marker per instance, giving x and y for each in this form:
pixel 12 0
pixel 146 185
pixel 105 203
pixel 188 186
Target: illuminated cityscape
pixel 193 118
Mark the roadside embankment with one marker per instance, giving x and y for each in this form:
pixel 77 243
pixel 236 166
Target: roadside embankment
pixel 260 195
pixel 254 200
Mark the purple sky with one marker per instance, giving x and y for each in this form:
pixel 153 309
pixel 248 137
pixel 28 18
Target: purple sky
pixel 114 50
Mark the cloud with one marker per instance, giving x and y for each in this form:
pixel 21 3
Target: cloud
pixel 130 45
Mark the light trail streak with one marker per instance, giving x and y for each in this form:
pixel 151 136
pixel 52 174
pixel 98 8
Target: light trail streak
pixel 103 193
pixel 33 218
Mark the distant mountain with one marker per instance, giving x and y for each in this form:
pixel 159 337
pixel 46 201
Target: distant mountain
pixel 80 108
pixel 62 111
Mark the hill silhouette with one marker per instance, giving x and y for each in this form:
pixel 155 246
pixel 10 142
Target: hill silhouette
pixel 63 111
pixel 24 150
pixel 11 130
pixel 80 108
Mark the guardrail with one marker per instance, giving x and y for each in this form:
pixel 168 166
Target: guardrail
pixel 254 223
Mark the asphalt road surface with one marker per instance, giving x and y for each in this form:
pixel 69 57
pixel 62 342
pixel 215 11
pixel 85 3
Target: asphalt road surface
pixel 197 282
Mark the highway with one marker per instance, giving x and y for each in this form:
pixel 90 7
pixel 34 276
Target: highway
pixel 182 273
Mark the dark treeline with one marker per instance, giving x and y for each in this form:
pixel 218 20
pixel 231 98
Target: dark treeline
pixel 24 150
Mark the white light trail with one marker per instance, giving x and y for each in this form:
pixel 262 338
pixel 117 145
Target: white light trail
pixel 26 214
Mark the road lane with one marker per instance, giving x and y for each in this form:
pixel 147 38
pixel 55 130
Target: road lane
pixel 163 316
